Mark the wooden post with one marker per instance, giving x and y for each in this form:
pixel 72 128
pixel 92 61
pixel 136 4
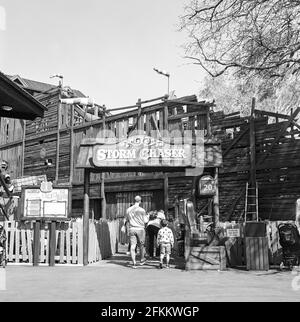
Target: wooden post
pixel 23 148
pixel 36 242
pixel 166 194
pixel 292 125
pixel 176 208
pixel 216 199
pixel 252 147
pixel 194 189
pixel 86 212
pixel 71 145
pixel 166 178
pixel 102 183
pixel 208 124
pixel 58 136
pixel 140 120
pixel 52 243
pixel 102 194
pixel 252 198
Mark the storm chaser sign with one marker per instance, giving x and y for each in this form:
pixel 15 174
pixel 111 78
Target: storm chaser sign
pixel 142 151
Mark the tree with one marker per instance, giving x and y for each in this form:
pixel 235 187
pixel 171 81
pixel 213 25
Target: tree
pixel 232 94
pixel 255 38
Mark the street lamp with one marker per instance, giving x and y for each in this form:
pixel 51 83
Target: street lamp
pixel 60 78
pixel 163 72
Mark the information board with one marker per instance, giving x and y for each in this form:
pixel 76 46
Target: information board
pixel 233 232
pixel 52 204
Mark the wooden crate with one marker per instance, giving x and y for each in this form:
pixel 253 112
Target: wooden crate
pixel 257 253
pixel 206 258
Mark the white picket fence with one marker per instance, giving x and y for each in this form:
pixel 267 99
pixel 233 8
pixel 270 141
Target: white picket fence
pixel 103 242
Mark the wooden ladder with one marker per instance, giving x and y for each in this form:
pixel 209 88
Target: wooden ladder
pixel 251 202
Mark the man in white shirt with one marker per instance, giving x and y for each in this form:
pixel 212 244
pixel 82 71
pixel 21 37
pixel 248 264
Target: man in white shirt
pixel 137 218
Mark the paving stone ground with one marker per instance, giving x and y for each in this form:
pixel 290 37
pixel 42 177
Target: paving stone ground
pixel 114 280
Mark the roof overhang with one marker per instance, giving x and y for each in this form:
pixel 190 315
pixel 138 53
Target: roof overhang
pixel 22 104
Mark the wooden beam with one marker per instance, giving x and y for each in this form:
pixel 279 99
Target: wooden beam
pixel 137 123
pixel 140 118
pixel 36 242
pixel 235 141
pixel 184 115
pixel 58 138
pixel 23 148
pixel 52 243
pixel 252 146
pixel 86 213
pixel 296 124
pixel 216 199
pixel 184 102
pixel 208 124
pixel 166 194
pixel 279 135
pixel 71 144
pixel 154 124
pixel 232 208
pixel 102 183
pixel 272 114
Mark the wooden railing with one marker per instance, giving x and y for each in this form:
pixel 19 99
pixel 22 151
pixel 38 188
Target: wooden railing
pixel 103 242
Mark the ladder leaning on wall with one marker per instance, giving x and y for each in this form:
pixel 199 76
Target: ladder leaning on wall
pixel 251 202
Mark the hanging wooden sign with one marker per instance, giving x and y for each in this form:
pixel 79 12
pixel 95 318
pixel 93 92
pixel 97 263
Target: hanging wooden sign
pixel 142 151
pixel 207 186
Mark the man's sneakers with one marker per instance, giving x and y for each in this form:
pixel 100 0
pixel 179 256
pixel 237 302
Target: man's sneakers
pixel 134 265
pixel 143 262
pixel 162 266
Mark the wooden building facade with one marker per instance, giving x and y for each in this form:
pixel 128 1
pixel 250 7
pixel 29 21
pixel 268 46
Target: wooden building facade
pixel 50 146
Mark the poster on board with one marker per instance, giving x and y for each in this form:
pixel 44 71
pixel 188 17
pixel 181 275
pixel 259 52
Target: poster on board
pixel 53 203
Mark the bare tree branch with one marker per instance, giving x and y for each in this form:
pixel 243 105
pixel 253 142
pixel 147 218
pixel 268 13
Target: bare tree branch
pixel 252 37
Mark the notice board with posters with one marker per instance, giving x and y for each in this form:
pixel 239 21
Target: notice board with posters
pixel 45 204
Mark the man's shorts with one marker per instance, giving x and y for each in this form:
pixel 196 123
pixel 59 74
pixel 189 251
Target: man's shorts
pixel 137 236
pixel 165 248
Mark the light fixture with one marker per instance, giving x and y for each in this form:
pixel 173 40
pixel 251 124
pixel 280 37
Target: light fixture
pixel 163 72
pixel 6 108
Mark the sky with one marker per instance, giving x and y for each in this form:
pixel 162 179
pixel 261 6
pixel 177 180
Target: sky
pixel 105 48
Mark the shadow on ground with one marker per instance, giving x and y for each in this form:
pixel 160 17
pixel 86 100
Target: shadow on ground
pixel 122 259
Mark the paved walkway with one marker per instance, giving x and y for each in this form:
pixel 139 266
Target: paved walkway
pixel 113 280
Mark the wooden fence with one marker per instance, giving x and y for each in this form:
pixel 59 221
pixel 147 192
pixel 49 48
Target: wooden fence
pixel 103 242
pixel 235 247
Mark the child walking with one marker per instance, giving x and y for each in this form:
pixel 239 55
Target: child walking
pixel 165 240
